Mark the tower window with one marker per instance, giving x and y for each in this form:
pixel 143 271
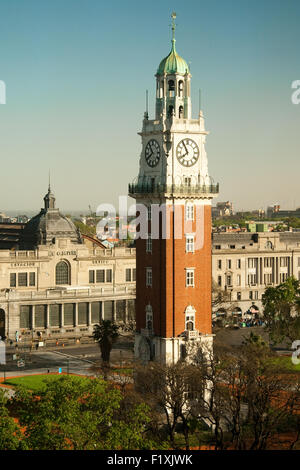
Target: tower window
pixel 189 212
pixel 190 318
pixel 149 318
pixel 189 245
pixel 171 88
pixel 149 244
pixel 180 88
pixel 171 111
pixel 149 277
pixel 190 278
pixel 180 112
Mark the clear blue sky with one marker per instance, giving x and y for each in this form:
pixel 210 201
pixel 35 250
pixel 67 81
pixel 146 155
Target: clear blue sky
pixel 76 73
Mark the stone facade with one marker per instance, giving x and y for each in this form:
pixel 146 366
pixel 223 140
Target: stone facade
pixel 101 284
pixel 56 282
pixel 245 264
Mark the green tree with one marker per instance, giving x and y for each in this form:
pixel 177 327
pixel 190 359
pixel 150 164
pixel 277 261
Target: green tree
pixel 255 339
pixel 10 434
pixel 81 414
pixel 85 229
pixel 281 311
pixel 105 334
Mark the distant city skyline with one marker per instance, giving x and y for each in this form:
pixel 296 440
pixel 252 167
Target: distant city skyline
pixel 76 76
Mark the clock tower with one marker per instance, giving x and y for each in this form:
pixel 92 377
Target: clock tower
pixel 173 192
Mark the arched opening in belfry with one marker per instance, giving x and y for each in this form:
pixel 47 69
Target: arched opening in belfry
pixel 171 85
pixel 171 110
pixel 180 89
pixel 180 112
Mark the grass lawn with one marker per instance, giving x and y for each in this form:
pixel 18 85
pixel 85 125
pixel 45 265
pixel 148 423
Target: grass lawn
pixel 286 362
pixel 124 371
pixel 36 383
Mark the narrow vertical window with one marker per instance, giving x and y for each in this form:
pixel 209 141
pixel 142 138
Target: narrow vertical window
pixel 189 211
pixel 149 277
pixel 128 275
pixel 13 280
pixel 189 246
pixel 91 277
pixel 149 244
pixel 32 279
pixel 109 275
pixel 190 278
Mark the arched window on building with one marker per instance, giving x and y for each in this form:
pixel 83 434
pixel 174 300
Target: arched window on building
pixel 180 112
pixel 149 317
pixel 62 273
pixel 190 318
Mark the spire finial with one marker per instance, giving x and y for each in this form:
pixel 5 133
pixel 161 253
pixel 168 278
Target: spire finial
pixel 173 16
pixel 49 187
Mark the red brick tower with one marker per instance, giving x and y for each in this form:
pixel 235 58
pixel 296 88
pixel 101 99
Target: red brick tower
pixel 173 247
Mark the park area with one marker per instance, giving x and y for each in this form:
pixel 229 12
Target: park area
pixel 35 383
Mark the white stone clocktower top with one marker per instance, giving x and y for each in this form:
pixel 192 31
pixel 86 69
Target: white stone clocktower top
pixel 173 158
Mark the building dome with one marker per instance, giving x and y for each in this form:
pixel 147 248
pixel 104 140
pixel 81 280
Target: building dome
pixel 173 63
pixel 47 226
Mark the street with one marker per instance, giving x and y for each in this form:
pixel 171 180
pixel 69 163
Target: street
pixel 75 359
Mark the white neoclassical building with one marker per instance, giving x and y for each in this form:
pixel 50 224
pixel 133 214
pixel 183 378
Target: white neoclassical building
pixel 59 283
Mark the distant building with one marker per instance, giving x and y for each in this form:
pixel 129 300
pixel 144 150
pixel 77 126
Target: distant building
pixel 246 263
pixel 222 209
pixel 4 218
pixel 274 211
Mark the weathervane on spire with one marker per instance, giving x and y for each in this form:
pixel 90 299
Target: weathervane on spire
pixel 173 16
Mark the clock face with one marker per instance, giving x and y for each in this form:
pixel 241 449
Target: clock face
pixel 152 153
pixel 187 152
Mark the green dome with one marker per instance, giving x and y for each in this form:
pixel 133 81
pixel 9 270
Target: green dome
pixel 173 63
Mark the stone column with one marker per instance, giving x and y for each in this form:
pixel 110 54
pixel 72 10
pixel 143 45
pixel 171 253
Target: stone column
pixel 33 317
pixel 62 315
pixel 126 311
pixel 76 314
pixel 47 316
pixel 89 313
pixel 114 310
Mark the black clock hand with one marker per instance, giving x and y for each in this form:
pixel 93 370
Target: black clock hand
pixel 151 152
pixel 186 150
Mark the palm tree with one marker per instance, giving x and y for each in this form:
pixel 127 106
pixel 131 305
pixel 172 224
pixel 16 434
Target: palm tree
pixel 105 334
